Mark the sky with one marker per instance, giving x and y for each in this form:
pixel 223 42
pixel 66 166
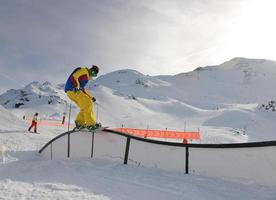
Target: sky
pixel 45 40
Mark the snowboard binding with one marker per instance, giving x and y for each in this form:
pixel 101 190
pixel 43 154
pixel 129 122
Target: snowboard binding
pixel 89 128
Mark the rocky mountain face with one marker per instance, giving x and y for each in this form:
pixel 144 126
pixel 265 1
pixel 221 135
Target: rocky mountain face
pixel 32 95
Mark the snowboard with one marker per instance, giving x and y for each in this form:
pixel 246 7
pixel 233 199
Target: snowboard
pixel 76 129
pixel 33 132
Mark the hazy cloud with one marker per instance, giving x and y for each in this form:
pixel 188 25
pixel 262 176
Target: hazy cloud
pixel 45 40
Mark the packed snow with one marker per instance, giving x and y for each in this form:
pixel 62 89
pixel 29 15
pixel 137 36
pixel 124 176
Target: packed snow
pixel 25 175
pixel 223 102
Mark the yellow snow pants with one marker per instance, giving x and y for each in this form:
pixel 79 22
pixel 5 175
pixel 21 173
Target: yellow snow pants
pixel 86 115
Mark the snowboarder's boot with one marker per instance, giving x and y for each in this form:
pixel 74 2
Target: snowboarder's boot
pixel 94 127
pixel 78 127
pixel 98 125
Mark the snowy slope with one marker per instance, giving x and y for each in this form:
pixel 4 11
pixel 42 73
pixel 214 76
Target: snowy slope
pixel 6 117
pixel 47 99
pixel 239 80
pixel 99 180
pixel 32 95
pixel 25 175
pixel 14 135
pixel 224 97
pixel 220 100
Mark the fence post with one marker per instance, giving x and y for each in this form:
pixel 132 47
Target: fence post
pixel 127 150
pixel 92 146
pixel 187 161
pixel 51 151
pixel 69 118
pixel 68 147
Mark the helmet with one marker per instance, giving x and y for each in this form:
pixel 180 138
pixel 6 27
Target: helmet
pixel 94 69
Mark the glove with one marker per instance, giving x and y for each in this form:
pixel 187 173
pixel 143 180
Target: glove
pixel 93 99
pixel 75 89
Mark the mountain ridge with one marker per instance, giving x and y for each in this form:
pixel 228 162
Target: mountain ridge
pixel 219 101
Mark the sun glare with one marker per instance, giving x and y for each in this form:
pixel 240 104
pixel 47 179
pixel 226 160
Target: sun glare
pixel 253 32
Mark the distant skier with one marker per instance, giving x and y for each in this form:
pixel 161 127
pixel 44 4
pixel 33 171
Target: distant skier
pixel 75 90
pixel 34 123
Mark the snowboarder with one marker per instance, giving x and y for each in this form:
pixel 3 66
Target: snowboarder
pixel 75 90
pixel 34 123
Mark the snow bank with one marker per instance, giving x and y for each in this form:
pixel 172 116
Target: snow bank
pixel 8 121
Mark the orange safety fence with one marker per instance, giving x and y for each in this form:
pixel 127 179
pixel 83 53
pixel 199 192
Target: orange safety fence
pixel 137 132
pixel 48 123
pixel 160 133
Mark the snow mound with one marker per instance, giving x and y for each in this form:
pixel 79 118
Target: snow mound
pixel 8 121
pixel 235 118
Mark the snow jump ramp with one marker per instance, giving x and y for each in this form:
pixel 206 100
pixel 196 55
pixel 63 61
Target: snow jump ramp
pixel 246 162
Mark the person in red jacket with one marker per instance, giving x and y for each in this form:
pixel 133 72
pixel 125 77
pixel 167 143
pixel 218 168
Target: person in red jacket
pixel 34 123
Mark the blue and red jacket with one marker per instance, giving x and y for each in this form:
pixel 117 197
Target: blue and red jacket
pixel 78 79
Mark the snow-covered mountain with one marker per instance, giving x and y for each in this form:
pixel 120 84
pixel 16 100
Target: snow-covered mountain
pixel 232 102
pixel 45 98
pixel 239 80
pixel 33 94
pixel 237 94
pixel 227 102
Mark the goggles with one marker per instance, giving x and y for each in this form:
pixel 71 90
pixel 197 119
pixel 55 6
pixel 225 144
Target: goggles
pixel 93 73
